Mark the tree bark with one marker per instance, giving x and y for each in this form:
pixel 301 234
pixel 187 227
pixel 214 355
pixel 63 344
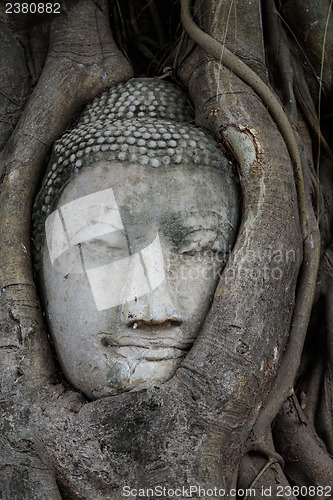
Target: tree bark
pixel 82 61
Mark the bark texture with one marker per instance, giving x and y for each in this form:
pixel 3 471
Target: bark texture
pixel 82 61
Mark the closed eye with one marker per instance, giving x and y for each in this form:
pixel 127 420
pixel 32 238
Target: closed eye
pixel 102 250
pixel 200 241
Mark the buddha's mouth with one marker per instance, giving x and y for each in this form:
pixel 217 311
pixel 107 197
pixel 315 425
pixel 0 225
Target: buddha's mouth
pixel 147 353
pixel 174 342
pixel 134 353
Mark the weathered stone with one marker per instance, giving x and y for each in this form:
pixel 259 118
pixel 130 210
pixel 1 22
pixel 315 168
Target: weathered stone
pixel 136 221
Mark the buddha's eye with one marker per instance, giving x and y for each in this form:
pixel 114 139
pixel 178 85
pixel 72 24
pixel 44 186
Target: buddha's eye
pixel 105 249
pixel 200 241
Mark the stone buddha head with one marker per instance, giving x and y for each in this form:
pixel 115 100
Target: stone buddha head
pixel 132 227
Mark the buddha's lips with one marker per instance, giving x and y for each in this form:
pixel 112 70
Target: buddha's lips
pixel 147 342
pixel 135 353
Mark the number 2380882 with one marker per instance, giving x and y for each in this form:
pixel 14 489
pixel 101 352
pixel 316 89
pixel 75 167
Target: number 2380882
pixel 32 8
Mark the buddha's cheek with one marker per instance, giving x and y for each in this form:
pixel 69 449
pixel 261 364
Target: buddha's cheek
pixel 74 322
pixel 95 367
pixel 193 280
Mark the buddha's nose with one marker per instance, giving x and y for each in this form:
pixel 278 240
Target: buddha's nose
pixel 154 308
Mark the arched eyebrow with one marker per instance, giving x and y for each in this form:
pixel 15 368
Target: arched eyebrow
pixel 207 220
pixel 203 219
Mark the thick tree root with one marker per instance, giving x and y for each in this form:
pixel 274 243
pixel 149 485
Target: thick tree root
pixel 74 72
pixel 284 382
pixel 307 461
pixel 216 49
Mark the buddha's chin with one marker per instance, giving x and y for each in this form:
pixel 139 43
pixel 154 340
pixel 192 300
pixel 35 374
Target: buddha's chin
pixel 133 372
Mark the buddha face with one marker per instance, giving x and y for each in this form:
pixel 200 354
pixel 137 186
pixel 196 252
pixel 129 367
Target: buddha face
pixel 131 259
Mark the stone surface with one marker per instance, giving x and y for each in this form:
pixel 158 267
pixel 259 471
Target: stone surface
pixel 132 226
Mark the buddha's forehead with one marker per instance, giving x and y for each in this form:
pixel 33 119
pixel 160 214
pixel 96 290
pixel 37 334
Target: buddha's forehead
pixel 144 194
pixel 158 164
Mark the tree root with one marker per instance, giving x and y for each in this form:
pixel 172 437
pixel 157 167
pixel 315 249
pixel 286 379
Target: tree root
pixel 307 461
pixel 298 409
pixel 279 59
pixel 263 477
pixel 284 382
pixel 73 74
pixel 215 49
pixel 265 450
pixel 258 476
